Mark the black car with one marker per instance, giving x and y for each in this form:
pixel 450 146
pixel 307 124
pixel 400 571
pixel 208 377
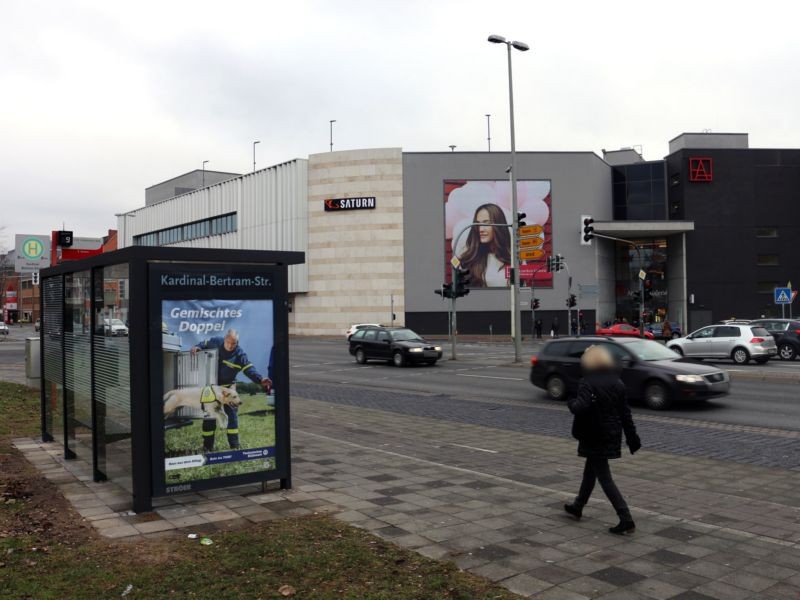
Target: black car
pixel 396 345
pixel 786 333
pixel 650 371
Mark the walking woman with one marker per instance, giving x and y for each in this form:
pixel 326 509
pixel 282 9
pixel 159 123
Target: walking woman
pixel 601 415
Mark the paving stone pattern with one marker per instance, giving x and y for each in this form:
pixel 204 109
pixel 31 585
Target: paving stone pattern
pixel 683 439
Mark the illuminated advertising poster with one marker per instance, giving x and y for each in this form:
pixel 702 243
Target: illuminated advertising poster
pixel 486 251
pixel 219 418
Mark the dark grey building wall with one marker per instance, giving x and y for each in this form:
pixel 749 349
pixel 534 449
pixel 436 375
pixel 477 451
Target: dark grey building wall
pixel 183 184
pixel 580 184
pixel 751 189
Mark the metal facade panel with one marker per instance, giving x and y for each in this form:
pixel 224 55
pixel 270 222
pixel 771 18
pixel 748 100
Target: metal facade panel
pixel 271 207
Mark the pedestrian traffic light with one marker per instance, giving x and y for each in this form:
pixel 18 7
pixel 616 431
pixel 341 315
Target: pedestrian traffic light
pixel 521 219
pixel 588 230
pixel 551 260
pixel 446 291
pixel 534 304
pixel 462 280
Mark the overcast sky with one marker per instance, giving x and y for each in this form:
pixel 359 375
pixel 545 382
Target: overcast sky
pixel 99 100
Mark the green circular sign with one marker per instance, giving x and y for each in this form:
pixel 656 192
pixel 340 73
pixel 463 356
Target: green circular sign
pixel 32 248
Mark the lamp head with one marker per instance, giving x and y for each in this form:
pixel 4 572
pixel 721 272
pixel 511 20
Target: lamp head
pixel 497 39
pixel 521 46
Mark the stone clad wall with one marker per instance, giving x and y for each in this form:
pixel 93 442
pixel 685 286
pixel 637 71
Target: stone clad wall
pixel 355 257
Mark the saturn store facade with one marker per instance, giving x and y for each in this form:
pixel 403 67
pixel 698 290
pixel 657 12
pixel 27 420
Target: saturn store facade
pixel 380 226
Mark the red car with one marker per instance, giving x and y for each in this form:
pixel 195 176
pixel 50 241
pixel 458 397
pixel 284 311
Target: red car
pixel 623 330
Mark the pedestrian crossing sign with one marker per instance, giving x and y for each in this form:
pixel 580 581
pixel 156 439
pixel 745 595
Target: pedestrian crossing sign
pixel 783 295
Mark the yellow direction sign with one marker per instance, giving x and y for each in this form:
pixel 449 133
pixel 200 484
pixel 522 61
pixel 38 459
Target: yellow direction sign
pixel 530 230
pixel 531 254
pixel 530 242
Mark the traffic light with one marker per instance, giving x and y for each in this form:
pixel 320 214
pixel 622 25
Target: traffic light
pixel 648 291
pixel 572 301
pixel 588 230
pixel 521 219
pixel 551 263
pixel 35 278
pixel 446 291
pixel 462 280
pixel 637 298
pixel 559 263
pixel 534 304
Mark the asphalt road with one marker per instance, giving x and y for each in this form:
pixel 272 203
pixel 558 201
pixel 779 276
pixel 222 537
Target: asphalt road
pixel 484 373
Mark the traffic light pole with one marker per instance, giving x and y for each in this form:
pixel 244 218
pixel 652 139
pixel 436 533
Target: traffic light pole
pixel 641 281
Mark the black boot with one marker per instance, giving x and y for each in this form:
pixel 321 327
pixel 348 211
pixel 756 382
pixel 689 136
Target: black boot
pixel 576 510
pixel 624 527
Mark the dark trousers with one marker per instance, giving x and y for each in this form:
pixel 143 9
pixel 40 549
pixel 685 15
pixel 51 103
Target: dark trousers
pixel 210 428
pixel 597 469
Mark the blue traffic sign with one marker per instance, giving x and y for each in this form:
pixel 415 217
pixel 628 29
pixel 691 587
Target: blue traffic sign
pixel 783 295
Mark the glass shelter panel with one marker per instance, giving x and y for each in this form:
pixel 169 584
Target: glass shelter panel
pixel 77 363
pixel 654 264
pixel 112 377
pixel 53 355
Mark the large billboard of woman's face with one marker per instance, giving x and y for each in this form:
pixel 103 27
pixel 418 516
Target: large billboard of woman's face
pixel 485 251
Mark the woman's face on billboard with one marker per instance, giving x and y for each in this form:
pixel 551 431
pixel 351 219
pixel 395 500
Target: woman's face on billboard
pixel 486 233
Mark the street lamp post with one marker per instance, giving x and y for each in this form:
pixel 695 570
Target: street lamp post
pixel 254 155
pixel 332 121
pixel 204 172
pixel 452 147
pixel 516 314
pixel 125 216
pixel 489 131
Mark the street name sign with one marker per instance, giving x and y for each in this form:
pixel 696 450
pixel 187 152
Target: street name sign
pixel 32 253
pixel 530 230
pixel 531 254
pixel 531 242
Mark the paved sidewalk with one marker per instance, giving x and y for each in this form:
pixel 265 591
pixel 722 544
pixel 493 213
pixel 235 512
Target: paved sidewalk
pixel 490 500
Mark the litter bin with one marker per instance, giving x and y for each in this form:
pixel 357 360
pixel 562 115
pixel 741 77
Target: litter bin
pixel 33 365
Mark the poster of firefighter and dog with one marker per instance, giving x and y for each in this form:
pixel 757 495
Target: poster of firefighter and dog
pixel 219 408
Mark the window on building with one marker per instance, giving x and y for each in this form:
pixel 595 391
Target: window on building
pixel 190 231
pixel 767 232
pixel 767 260
pixel 767 287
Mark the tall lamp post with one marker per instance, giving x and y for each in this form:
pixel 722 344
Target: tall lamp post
pixel 204 172
pixel 332 121
pixel 254 155
pixel 489 131
pixel 516 314
pixel 130 213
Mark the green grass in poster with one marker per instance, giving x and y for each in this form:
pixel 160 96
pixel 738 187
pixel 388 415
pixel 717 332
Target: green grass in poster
pixel 256 430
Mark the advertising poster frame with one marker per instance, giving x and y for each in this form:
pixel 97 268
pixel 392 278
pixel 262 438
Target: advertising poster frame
pixel 202 284
pixel 476 193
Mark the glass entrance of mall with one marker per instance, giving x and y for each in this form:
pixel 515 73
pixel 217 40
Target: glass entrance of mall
pixel 654 253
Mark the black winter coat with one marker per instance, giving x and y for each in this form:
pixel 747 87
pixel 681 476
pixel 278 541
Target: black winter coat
pixel 601 415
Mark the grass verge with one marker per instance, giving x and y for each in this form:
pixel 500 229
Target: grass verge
pixel 47 550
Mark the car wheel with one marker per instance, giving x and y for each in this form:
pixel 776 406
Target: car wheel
pixel 676 335
pixel 361 358
pixel 787 352
pixel 676 349
pixel 656 395
pixel 398 359
pixel 556 387
pixel 740 356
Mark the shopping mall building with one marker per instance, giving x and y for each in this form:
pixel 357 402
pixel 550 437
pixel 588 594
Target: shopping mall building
pixel 716 223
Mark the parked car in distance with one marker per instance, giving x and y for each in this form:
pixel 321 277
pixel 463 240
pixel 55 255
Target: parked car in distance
pixel 651 373
pixel 623 330
pixel 3 328
pixel 356 327
pixel 397 345
pixel 786 333
pixel 740 342
pixel 38 325
pixel 657 329
pixel 114 327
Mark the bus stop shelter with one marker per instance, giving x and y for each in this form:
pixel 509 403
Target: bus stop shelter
pixel 167 370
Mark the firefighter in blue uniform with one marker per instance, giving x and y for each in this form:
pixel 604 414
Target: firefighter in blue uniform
pixel 232 361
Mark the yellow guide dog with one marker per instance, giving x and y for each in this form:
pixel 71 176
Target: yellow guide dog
pixel 209 399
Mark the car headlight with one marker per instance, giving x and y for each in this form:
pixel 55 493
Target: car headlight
pixel 415 349
pixel 437 348
pixel 689 378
